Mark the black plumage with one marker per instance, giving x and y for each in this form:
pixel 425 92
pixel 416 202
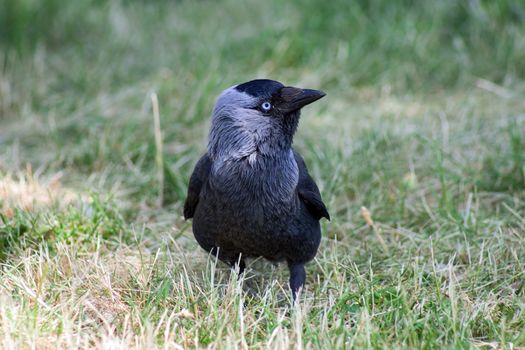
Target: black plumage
pixel 251 194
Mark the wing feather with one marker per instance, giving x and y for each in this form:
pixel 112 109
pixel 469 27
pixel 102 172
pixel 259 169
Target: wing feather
pixel 309 192
pixel 198 178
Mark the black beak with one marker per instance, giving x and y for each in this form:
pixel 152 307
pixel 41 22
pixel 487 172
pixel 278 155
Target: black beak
pixel 292 99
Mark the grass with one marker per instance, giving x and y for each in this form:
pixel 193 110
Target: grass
pixel 423 126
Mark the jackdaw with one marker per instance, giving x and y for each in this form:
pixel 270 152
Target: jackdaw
pixel 251 195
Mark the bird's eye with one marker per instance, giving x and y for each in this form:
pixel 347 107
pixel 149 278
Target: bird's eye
pixel 266 106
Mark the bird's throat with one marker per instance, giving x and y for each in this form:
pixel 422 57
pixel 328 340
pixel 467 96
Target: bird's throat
pixel 258 176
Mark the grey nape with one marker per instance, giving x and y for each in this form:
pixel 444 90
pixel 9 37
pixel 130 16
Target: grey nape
pixel 251 195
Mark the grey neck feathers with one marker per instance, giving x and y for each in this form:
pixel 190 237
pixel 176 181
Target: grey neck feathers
pixel 252 155
pixel 239 132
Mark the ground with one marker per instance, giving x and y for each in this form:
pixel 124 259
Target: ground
pixel 418 150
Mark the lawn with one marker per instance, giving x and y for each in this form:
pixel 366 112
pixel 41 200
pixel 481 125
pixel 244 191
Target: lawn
pixel 418 150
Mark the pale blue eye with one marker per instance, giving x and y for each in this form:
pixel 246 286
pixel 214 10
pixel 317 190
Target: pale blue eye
pixel 266 106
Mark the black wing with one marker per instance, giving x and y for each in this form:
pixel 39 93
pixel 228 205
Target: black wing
pixel 197 179
pixel 309 192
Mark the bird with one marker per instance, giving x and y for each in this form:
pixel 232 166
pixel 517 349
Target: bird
pixel 250 195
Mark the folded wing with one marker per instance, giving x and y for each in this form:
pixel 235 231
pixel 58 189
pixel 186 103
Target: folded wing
pixel 198 178
pixel 309 192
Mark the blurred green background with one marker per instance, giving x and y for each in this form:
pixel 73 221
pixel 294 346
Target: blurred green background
pixel 410 44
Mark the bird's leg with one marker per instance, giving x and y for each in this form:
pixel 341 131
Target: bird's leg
pixel 297 278
pixel 239 262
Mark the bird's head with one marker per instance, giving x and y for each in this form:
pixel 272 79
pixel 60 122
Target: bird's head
pixel 257 116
